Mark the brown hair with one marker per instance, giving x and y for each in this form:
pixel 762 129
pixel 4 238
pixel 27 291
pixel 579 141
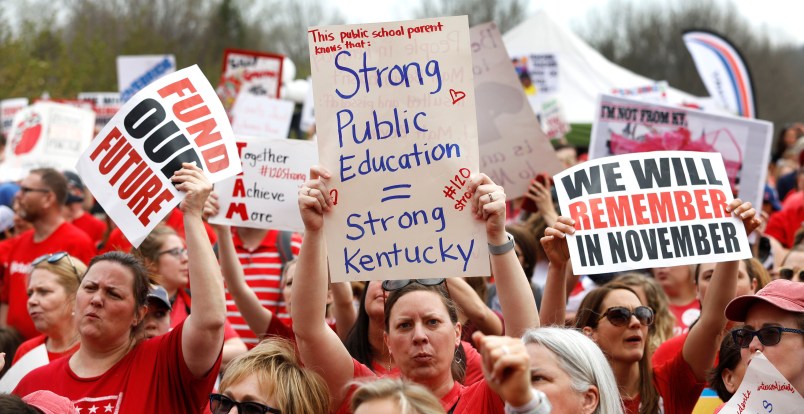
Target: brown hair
pixel 68 277
pixel 526 240
pixel 662 328
pixel 148 252
pixel 54 181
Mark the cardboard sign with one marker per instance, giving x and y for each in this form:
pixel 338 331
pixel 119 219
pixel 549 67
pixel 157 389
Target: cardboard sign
pixel 554 122
pixel 8 108
pixel 265 194
pixel 250 72
pixel 625 126
pixel 513 148
pixel 261 116
pixel 657 92
pixel 395 114
pixel 47 134
pixel 650 210
pixel 764 390
pixel 174 120
pixel 105 105
pixel 136 72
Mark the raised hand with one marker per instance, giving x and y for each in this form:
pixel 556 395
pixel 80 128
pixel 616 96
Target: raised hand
pixel 314 198
pixel 554 241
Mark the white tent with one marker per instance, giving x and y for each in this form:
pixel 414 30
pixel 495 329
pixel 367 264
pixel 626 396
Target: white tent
pixel 583 73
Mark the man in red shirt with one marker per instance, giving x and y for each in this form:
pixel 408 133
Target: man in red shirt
pixel 41 198
pixel 74 209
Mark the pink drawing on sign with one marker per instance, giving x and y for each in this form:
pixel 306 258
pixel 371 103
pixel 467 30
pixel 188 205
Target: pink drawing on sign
pixel 456 95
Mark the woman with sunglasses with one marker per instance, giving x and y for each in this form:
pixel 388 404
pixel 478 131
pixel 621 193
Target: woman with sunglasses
pixel 115 370
pixel 421 327
pixel 269 379
pixel 606 317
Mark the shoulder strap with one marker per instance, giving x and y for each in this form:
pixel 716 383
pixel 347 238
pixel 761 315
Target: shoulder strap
pixel 283 239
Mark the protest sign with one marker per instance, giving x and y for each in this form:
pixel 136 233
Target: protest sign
pixel 32 360
pixel 105 105
pixel 308 110
pixel 47 134
pixel 252 72
pixel 261 116
pixel 395 114
pixel 554 122
pixel 128 166
pixel 9 107
pixel 764 390
pixel 265 194
pixel 656 92
pixel 513 148
pixel 650 210
pixel 625 126
pixel 137 72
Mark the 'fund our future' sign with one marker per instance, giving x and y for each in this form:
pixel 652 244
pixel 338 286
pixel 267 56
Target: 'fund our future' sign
pixel 662 208
pixel 395 114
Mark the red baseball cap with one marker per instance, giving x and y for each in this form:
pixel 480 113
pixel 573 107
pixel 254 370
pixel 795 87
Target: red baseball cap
pixel 50 403
pixel 781 293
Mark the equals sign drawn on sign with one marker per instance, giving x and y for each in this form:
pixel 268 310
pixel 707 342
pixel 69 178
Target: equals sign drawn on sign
pixel 394 197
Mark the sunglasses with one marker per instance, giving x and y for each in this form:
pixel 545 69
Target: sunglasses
pixel 620 316
pixel 392 285
pixel 175 252
pixel 221 404
pixel 54 258
pixel 788 273
pixel 768 336
pixel 25 190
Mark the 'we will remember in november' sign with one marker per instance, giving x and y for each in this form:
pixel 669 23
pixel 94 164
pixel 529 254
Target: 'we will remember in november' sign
pixel 395 114
pixel 643 210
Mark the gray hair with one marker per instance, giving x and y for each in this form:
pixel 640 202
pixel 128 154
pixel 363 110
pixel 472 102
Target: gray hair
pixel 583 361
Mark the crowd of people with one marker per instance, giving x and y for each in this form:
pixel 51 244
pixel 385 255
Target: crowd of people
pixel 212 318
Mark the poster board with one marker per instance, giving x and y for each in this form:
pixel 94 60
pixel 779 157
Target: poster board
pixel 764 390
pixel 624 126
pixel 650 209
pixel 9 107
pixel 251 72
pixel 129 164
pixel 261 116
pixel 105 105
pixel 395 114
pixel 137 72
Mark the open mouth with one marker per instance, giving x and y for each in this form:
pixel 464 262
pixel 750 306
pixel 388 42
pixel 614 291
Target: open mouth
pixel 635 339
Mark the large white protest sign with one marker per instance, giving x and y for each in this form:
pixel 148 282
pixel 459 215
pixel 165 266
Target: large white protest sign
pixel 650 210
pixel 32 360
pixel 261 116
pixel 513 148
pixel 177 119
pixel 764 390
pixel 248 72
pixel 395 114
pixel 625 126
pixel 265 194
pixel 137 72
pixel 47 134
pixel 9 107
pixel 105 105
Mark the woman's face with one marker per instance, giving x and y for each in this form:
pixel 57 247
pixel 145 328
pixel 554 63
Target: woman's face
pixel 744 284
pixel 788 355
pixel 249 390
pixel 156 321
pixel 547 376
pixel 375 301
pixel 673 278
pixel 48 303
pixel 288 289
pixel 173 269
pixel 105 308
pixel 421 337
pixel 620 343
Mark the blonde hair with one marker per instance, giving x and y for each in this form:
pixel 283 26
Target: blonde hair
pixel 279 373
pixel 411 398
pixel 662 328
pixel 69 271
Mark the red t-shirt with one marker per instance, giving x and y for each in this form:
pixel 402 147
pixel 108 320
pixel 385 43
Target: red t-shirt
pixel 174 220
pixel 93 227
pixel 685 316
pixel 32 343
pixel 181 309
pixel 668 349
pixel 476 398
pixel 66 238
pixel 151 378
pixel 784 224
pixel 262 268
pixel 677 386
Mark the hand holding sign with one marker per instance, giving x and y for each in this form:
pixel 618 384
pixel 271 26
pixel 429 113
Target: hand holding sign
pixel 554 241
pixel 314 199
pixel 196 187
pixel 488 203
pixel 746 213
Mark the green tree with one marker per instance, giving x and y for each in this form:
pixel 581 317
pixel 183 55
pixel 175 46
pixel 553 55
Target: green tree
pixel 505 13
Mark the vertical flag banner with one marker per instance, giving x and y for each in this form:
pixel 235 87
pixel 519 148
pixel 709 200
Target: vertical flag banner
pixel 176 119
pixel 137 72
pixel 723 71
pixel 397 128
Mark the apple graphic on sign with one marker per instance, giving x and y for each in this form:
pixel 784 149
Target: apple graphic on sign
pixel 27 135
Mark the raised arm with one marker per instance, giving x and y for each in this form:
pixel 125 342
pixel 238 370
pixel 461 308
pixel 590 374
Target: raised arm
pixel 699 348
pixel 473 307
pixel 513 289
pixel 343 308
pixel 319 346
pixel 554 298
pixel 202 335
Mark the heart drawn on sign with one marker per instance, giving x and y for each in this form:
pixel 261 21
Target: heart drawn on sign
pixel 456 95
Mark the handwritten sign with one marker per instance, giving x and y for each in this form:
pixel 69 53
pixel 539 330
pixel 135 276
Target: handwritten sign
pixel 47 134
pixel 650 210
pixel 265 194
pixel 764 390
pixel 261 116
pixel 554 122
pixel 625 126
pixel 128 166
pixel 655 92
pixel 105 105
pixel 513 148
pixel 249 72
pixel 395 113
pixel 136 72
pixel 9 107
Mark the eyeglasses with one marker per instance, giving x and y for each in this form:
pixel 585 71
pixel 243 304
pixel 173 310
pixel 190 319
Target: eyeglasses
pixel 788 273
pixel 392 285
pixel 621 316
pixel 221 404
pixel 54 258
pixel 768 336
pixel 175 252
pixel 25 190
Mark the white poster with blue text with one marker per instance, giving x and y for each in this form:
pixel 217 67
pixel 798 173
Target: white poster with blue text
pixel 136 72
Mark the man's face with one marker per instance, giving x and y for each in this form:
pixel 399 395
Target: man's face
pixel 33 198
